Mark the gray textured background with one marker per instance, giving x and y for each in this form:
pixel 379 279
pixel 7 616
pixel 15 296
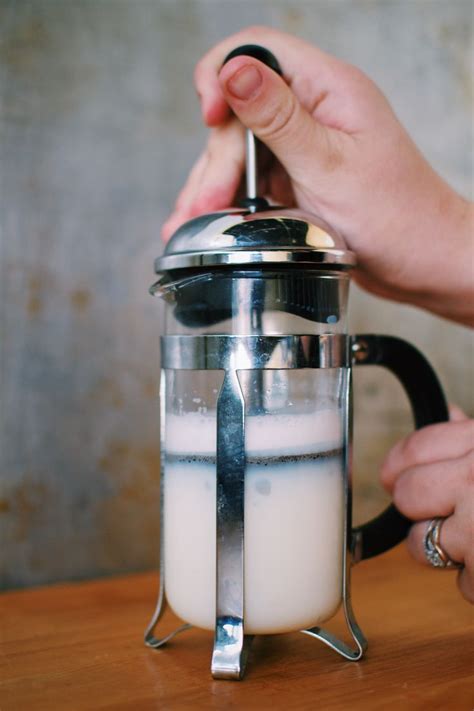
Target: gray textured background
pixel 98 127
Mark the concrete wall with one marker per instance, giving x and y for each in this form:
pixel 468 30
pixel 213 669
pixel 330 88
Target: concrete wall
pixel 98 126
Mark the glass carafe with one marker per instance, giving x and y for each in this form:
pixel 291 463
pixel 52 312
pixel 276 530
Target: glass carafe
pixel 294 448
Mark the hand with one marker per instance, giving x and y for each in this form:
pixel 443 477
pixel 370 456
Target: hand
pixel 337 150
pixel 430 474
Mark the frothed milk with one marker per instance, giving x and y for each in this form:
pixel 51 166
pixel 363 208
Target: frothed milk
pixel 294 506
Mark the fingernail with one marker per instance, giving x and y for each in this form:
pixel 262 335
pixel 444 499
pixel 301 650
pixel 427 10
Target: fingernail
pixel 245 83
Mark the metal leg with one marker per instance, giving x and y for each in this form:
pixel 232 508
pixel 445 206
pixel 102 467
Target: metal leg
pixel 231 649
pixel 338 645
pixel 229 654
pixel 150 639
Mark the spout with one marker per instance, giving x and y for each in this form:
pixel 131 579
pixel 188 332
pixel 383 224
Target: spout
pixel 168 290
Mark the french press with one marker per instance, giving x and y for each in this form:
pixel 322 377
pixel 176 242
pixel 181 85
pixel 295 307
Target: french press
pixel 256 410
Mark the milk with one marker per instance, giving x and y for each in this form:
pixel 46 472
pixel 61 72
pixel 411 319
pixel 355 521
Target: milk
pixel 294 519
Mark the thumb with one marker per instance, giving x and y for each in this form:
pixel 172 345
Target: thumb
pixel 266 105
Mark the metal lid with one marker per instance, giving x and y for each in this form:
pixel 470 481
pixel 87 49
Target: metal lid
pixel 241 236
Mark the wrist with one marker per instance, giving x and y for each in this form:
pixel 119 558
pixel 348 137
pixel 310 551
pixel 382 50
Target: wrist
pixel 428 262
pixel 446 282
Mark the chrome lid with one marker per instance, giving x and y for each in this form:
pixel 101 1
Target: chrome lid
pixel 243 236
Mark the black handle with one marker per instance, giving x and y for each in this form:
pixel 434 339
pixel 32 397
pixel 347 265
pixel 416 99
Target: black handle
pixel 257 52
pixel 429 407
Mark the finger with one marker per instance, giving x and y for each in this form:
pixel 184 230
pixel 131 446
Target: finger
pixel 214 179
pixel 264 103
pixel 279 186
pixel 192 183
pixel 452 540
pixel 456 541
pixel 431 490
pixel 445 440
pixel 185 197
pixel 224 169
pixel 288 49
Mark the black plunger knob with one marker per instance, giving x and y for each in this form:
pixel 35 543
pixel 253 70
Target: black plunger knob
pixel 257 52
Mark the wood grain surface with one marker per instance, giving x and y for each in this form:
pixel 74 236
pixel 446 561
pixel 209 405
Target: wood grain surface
pixel 78 646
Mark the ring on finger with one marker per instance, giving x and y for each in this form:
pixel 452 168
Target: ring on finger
pixel 434 551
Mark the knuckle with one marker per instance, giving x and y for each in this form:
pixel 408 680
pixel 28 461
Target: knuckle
pixel 357 84
pixel 279 123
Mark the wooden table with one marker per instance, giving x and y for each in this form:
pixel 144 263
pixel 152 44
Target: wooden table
pixel 78 646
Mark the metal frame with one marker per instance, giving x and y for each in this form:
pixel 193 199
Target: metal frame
pixel 150 639
pixel 231 354
pixel 357 635
pixel 216 352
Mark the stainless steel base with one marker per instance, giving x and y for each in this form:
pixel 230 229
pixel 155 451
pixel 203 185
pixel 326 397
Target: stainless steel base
pixel 231 646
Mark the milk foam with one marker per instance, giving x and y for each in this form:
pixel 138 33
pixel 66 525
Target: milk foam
pixel 195 433
pixel 293 520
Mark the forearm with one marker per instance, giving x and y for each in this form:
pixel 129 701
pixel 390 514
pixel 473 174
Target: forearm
pixel 421 250
pixel 446 263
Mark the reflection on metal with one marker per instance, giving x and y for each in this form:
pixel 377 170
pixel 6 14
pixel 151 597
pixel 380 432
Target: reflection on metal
pixel 251 177
pixel 222 352
pixel 336 257
pixel 230 646
pixel 227 661
pixel 353 655
pixel 273 235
